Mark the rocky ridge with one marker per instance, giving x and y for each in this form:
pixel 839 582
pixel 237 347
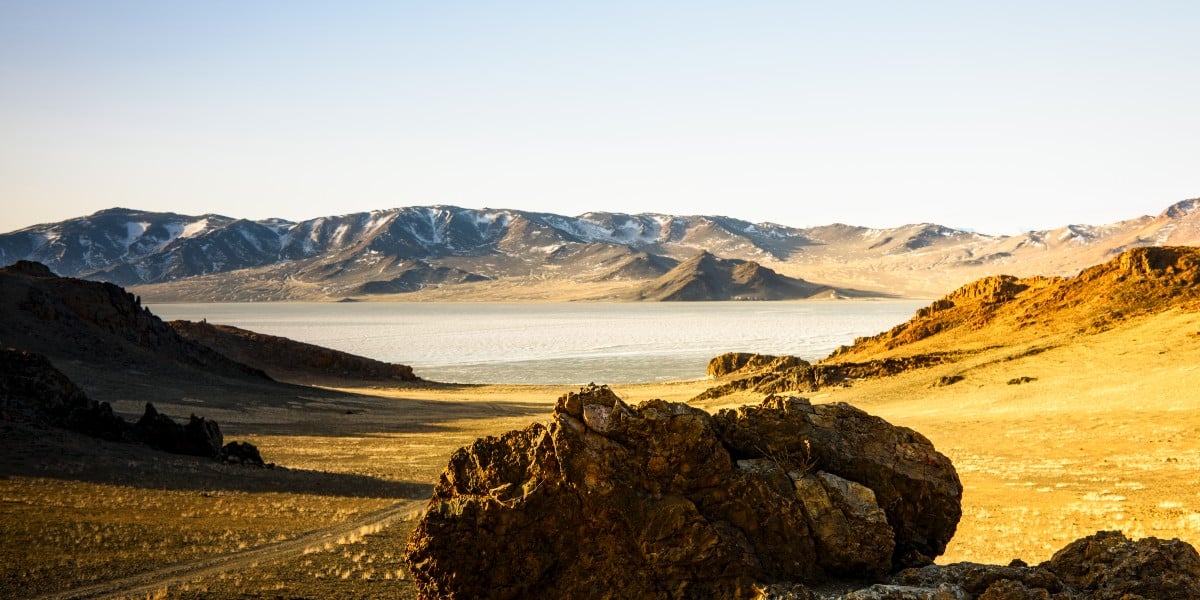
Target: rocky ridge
pixel 1137 282
pixel 289 360
pixel 103 337
pixel 766 374
pixel 97 322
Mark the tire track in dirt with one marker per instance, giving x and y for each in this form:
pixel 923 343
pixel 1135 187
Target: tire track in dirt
pixel 143 584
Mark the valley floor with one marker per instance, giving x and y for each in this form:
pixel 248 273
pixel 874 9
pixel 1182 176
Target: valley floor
pixel 1104 433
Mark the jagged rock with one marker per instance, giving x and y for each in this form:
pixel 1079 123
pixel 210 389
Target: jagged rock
pixel 663 500
pixel 852 533
pixel 900 592
pixel 1007 589
pixel 200 437
pixel 1104 566
pixel 916 485
pixel 242 453
pixel 974 578
pixel 773 375
pixel 1110 565
pixel 737 362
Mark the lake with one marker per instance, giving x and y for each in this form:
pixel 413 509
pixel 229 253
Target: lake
pixel 560 343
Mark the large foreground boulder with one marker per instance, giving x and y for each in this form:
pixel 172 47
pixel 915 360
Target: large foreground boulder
pixel 663 500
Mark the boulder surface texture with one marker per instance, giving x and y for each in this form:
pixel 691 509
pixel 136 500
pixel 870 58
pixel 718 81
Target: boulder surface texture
pixel 664 500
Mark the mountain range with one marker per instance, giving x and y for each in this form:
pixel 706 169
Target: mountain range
pixel 447 253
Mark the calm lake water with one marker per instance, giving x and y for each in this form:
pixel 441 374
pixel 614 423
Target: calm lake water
pixel 560 343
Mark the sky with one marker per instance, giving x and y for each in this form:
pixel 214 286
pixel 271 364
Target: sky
pixel 998 117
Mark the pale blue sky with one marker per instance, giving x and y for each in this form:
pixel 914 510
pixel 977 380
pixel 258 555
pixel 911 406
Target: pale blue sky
pixel 994 116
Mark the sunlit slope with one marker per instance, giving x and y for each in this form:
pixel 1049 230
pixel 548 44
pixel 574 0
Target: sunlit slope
pixel 1007 311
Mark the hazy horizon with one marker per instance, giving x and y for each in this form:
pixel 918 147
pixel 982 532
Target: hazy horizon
pixel 997 118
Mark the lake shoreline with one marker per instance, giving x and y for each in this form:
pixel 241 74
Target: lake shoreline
pixel 559 343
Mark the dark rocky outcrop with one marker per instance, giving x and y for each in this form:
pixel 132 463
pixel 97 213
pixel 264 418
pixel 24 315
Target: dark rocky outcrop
pixel 732 363
pixel 1104 566
pixel 765 374
pixel 33 391
pixel 289 360
pixel 199 437
pixel 1109 565
pixel 242 453
pixel 663 500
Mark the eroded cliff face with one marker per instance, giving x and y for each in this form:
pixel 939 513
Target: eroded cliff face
pixel 663 500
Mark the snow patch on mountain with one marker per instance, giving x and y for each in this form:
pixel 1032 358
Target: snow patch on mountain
pixel 133 231
pixel 488 219
pixel 190 230
pixel 583 228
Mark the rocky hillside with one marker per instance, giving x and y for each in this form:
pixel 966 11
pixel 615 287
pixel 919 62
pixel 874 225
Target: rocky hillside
pixel 102 338
pixel 494 254
pixel 289 360
pixel 707 277
pixel 1138 282
pixel 80 321
pixel 1024 315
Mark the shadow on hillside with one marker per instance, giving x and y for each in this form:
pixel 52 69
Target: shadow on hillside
pixel 364 416
pixel 57 454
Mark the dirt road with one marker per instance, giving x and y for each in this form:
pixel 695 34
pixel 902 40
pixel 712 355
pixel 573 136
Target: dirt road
pixel 149 582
